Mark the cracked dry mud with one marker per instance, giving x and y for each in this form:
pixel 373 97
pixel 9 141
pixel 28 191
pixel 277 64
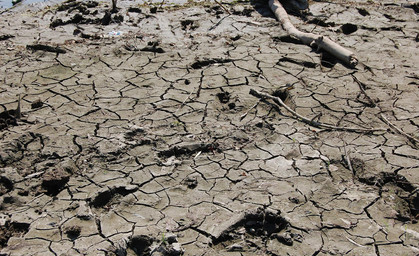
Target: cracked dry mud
pixel 149 143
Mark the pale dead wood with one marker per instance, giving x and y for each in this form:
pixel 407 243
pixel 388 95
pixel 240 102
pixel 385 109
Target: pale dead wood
pixel 304 119
pixel 410 137
pixel 311 39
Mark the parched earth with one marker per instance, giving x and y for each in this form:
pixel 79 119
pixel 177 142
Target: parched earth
pixel 137 135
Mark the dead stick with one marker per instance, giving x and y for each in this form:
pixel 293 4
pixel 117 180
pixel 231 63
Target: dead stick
pixel 361 87
pixel 413 139
pixel 311 39
pixel 348 159
pixel 222 6
pixel 277 100
pixel 247 112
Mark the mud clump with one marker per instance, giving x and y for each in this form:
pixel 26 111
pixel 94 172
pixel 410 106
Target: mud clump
pixel 12 229
pixel 6 185
pixel 104 196
pixel 140 244
pixel 54 181
pixel 188 149
pixel 258 227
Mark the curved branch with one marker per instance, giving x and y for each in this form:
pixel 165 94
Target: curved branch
pixel 311 39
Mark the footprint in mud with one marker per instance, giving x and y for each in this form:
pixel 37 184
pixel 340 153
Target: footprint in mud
pixel 253 231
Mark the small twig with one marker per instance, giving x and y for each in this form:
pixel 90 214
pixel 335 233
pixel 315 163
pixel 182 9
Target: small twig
pixel 218 23
pixel 247 112
pixel 348 159
pixel 222 6
pixel 18 112
pixel 410 137
pixel 355 243
pixel 183 103
pixel 361 87
pixel 308 121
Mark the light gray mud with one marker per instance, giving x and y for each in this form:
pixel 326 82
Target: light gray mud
pixel 149 143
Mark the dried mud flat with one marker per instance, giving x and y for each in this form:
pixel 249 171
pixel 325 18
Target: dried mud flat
pixel 149 143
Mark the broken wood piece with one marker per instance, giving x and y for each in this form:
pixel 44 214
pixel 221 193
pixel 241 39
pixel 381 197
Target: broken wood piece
pixel 308 121
pixel 322 43
pixel 46 48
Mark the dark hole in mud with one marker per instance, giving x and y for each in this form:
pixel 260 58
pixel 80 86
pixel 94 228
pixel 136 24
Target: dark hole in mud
pixel 13 229
pixel 8 118
pixel 232 105
pixel 102 198
pixel 328 60
pixel 153 9
pixel 283 94
pixel 260 223
pixel 73 232
pixel 189 24
pixel 6 185
pixel 215 9
pixel 140 244
pixel 363 12
pixel 152 46
pixel 348 28
pixel 223 97
pixel 243 11
pixel 8 199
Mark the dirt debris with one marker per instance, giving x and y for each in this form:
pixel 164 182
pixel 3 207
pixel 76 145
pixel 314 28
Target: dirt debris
pixel 142 138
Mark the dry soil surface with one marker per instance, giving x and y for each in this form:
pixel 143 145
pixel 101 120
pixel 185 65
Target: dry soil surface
pixel 137 134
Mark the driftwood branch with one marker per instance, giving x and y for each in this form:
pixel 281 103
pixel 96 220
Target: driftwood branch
pixel 311 122
pixel 311 39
